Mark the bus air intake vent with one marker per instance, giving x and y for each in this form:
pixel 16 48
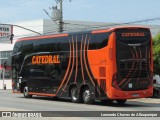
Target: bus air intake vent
pixel 102 72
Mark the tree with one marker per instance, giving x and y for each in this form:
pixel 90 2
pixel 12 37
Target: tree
pixel 156 52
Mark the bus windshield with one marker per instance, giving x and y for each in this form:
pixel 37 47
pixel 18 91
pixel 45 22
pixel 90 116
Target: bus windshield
pixel 133 58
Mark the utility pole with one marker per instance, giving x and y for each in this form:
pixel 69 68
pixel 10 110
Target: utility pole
pixel 58 15
pixel 61 16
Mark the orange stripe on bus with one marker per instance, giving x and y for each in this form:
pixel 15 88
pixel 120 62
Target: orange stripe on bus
pixel 87 69
pixel 81 50
pixel 76 61
pixel 42 37
pixel 69 63
pixel 86 64
pixel 41 94
pixel 100 31
pixel 72 65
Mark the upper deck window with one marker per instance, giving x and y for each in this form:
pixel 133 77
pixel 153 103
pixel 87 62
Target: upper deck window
pixel 98 41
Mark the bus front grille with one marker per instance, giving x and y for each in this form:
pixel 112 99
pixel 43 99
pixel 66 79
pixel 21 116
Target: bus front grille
pixel 134 69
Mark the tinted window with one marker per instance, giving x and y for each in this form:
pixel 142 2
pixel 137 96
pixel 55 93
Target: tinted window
pixel 51 44
pixel 27 47
pixel 17 47
pixel 98 41
pixel 133 36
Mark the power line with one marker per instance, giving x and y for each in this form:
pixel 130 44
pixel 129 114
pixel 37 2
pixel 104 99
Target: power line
pixel 74 25
pixel 50 17
pixel 24 28
pixel 126 23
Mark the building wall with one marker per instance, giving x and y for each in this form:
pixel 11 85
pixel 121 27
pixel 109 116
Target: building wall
pixel 5 52
pixel 8 84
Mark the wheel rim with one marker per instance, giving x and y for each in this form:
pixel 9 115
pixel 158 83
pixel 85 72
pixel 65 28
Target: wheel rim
pixel 74 94
pixel 86 95
pixel 26 91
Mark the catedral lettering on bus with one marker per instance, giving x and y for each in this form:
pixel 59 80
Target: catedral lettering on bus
pixel 133 34
pixel 46 59
pixel 107 65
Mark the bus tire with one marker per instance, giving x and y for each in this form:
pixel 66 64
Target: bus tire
pixel 75 95
pixel 87 96
pixel 121 102
pixel 25 92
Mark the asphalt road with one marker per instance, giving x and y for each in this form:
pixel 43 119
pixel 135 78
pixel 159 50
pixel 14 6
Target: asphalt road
pixel 16 102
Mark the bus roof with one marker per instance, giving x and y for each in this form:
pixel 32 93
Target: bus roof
pixel 111 29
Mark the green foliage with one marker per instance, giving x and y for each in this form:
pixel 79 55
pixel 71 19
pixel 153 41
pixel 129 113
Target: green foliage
pixel 156 52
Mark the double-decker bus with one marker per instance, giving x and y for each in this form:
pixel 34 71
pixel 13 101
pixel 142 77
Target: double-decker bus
pixel 110 64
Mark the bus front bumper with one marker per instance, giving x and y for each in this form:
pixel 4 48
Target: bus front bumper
pixel 118 94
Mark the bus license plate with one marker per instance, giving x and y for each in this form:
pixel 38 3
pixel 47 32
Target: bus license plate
pixel 135 95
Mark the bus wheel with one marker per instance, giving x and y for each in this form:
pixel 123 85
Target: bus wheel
pixel 121 102
pixel 75 95
pixel 87 96
pixel 25 92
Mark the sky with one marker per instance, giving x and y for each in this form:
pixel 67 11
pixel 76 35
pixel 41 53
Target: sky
pixel 113 11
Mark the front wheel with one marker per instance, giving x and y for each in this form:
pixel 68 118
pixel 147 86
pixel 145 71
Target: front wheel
pixel 87 96
pixel 25 92
pixel 75 95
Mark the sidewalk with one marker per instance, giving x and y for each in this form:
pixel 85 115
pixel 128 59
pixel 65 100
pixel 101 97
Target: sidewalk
pixel 5 91
pixel 147 100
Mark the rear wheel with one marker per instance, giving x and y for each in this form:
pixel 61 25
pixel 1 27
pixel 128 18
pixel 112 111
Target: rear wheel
pixel 87 96
pixel 75 95
pixel 121 102
pixel 25 92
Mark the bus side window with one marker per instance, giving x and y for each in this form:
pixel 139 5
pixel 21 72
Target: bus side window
pixel 98 41
pixel 27 47
pixel 17 48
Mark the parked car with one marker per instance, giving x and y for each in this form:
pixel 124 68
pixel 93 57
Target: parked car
pixel 156 86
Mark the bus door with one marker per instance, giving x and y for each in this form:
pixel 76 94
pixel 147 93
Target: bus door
pixel 32 74
pixel 15 85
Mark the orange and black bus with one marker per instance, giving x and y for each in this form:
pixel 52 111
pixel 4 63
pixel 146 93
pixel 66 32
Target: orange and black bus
pixel 110 64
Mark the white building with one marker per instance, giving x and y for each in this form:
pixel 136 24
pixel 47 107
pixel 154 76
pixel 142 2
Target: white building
pixel 44 26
